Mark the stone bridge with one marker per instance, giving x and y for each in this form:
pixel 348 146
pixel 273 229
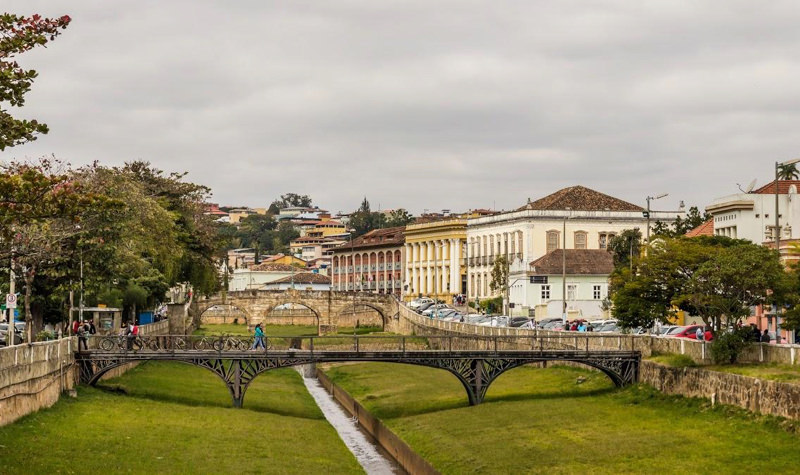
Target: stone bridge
pixel 327 306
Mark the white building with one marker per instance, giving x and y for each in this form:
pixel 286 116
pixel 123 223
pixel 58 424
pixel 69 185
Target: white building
pixel 590 219
pixel 586 283
pixel 257 276
pixel 751 216
pixel 300 281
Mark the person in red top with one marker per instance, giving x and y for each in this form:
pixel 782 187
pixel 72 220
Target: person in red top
pixel 708 336
pixel 75 325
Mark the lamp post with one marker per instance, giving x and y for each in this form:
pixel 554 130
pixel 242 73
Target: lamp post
pixel 778 239
pixel 648 199
pixel 564 271
pixel 351 232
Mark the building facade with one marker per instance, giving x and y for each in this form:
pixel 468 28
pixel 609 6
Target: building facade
pixel 578 279
pixel 571 218
pixel 434 258
pixel 370 263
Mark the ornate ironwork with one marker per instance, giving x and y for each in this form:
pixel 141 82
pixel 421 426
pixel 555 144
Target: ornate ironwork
pixel 475 361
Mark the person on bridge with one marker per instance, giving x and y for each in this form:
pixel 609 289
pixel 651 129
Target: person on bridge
pixel 259 338
pixel 83 333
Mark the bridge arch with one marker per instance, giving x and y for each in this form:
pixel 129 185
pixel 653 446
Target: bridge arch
pixel 275 307
pixel 204 314
pixel 349 310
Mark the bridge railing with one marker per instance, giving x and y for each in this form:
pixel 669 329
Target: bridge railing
pixel 358 343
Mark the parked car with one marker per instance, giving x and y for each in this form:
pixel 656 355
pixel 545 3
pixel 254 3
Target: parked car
pixel 416 303
pixel 429 311
pixel 518 321
pixel 686 331
pixel 609 327
pixel 424 307
pixel 18 333
pixel 547 321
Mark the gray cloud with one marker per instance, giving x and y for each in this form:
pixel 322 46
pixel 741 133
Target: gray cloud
pixel 447 104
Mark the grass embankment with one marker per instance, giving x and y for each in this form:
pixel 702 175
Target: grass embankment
pixel 178 419
pixel 541 420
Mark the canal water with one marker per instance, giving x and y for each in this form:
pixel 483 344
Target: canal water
pixel 369 454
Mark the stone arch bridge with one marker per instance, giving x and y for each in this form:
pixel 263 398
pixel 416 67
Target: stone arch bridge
pixel 326 305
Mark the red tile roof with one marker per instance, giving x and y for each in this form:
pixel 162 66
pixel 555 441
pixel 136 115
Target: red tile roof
pixel 272 267
pixel 377 238
pixel 580 198
pixel 705 229
pixel 783 187
pixel 304 278
pixel 578 262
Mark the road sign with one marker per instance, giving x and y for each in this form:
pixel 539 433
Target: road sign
pixel 11 300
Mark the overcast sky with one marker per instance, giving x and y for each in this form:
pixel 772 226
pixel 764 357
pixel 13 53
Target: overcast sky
pixel 424 104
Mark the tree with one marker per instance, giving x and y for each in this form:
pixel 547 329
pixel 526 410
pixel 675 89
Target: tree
pixel 681 226
pixel 499 274
pixel 19 34
pixel 364 220
pixel 43 212
pixel 289 200
pixel 257 231
pixel 626 247
pixel 398 217
pixel 715 278
pixel 788 172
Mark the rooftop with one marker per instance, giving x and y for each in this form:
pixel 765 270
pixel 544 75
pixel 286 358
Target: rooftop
pixel 578 262
pixel 705 229
pixel 580 198
pixel 304 278
pixel 783 187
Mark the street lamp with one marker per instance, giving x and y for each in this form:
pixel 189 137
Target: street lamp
pixel 352 232
pixel 650 198
pixel 778 239
pixel 564 270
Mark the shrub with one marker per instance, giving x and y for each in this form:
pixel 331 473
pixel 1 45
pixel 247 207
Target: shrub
pixel 727 346
pixel 45 335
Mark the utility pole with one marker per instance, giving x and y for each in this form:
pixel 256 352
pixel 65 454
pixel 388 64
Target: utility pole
pixel 11 332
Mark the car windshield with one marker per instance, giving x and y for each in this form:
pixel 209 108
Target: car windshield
pixel 675 330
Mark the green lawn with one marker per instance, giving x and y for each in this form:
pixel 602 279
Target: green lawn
pixel 542 421
pixel 178 419
pixel 774 371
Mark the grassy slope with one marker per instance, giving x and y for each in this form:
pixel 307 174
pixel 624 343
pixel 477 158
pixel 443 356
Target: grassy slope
pixel 178 419
pixel 537 420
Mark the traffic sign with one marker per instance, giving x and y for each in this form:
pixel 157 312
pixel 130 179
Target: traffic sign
pixel 11 300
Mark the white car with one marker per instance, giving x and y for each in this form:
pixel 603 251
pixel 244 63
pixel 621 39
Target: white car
pixel 429 311
pixel 416 303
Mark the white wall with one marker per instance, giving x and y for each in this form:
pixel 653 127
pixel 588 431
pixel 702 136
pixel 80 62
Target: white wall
pixel 244 279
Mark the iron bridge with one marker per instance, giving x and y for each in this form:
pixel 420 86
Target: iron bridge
pixel 475 360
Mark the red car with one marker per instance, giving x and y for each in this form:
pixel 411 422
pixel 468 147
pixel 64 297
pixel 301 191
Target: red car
pixel 689 331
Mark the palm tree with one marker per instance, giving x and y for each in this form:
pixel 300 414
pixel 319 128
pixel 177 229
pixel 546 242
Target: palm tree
pixel 788 172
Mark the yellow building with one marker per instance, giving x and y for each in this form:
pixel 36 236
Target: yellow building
pixel 285 260
pixel 435 259
pixel 327 227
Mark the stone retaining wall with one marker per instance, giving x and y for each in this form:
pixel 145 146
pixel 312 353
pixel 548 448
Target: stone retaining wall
pixel 757 395
pixel 411 461
pixel 33 376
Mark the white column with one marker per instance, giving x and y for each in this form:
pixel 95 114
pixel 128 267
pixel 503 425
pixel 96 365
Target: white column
pixel 407 280
pixel 455 274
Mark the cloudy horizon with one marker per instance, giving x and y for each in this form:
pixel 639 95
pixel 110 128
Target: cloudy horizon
pixel 450 105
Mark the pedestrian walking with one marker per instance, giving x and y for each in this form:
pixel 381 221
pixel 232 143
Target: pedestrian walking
pixel 698 334
pixel 259 338
pixel 83 331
